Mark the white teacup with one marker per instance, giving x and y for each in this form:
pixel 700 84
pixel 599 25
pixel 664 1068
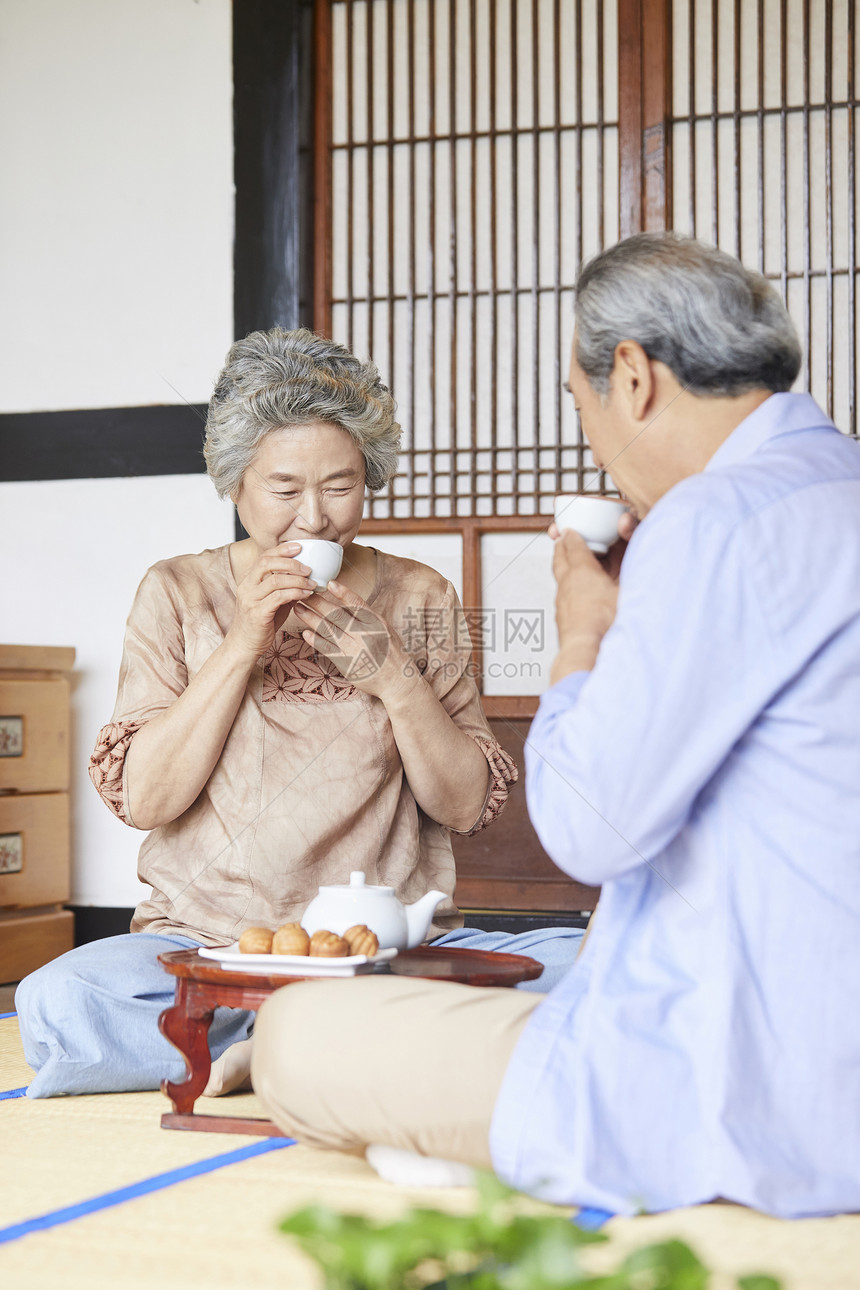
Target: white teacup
pixel 324 559
pixel 593 518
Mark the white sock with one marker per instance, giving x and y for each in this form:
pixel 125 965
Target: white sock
pixel 408 1169
pixel 231 1072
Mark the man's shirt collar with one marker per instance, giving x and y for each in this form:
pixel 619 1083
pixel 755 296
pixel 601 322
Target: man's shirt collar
pixel 780 414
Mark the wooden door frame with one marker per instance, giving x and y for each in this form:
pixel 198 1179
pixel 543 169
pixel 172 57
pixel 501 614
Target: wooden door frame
pixel 644 115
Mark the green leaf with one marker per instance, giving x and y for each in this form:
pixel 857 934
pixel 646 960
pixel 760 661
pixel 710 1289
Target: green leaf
pixel 670 1265
pixel 355 1253
pixel 551 1262
pixel 758 1281
pixel 491 1189
pixel 313 1220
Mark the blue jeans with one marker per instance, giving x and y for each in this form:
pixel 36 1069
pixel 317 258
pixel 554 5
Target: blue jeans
pixel 89 1019
pixel 555 947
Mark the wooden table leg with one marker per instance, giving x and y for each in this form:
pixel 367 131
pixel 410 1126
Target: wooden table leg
pixel 186 1024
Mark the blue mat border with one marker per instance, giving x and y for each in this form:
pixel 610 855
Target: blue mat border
pixel 56 1217
pixel 591 1220
pixel 5 1015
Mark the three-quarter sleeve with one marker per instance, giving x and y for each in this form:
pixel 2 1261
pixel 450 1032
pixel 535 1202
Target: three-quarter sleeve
pixel 107 766
pixel 152 675
pixel 503 773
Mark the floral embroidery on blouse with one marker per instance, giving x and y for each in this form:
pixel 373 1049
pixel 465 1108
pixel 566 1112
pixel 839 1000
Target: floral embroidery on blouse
pixel 504 773
pixel 294 672
pixel 107 762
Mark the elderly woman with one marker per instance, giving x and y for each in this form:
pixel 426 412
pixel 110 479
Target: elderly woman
pixel 272 736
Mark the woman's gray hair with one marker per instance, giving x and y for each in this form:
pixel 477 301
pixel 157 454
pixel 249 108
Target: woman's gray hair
pixel 276 379
pixel 722 329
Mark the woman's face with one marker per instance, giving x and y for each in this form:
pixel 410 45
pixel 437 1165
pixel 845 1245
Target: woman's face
pixel 304 482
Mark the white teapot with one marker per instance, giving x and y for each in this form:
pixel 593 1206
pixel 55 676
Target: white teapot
pixel 397 926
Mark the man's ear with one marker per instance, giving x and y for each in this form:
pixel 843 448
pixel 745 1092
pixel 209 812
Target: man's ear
pixel 633 378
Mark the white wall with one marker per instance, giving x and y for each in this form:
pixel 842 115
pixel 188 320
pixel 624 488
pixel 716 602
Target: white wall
pixel 116 261
pixel 116 217
pixel 72 553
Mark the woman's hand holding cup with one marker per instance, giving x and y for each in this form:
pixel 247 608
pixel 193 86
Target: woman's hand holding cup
pixel 273 585
pixel 359 642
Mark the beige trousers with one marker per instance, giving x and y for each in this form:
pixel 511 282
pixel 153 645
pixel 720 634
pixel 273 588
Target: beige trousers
pixel 410 1063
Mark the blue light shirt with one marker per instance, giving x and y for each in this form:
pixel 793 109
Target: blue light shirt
pixel 706 773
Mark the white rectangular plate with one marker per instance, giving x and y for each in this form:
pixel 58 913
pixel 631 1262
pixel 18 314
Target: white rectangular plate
pixel 230 958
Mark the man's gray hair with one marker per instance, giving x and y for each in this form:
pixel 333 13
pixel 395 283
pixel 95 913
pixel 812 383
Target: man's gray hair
pixel 722 329
pixel 276 379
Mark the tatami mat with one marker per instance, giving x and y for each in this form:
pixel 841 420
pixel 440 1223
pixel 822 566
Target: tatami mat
pixel 14 1071
pixel 812 1254
pixel 217 1230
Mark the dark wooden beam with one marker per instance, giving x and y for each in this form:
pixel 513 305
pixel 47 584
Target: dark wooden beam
pixel 273 70
pixel 273 166
pixel 322 252
pixel 102 443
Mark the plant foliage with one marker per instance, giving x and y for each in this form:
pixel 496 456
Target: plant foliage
pixel 498 1247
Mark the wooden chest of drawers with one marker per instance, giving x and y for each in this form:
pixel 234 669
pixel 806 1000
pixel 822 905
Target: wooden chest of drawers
pixel 34 807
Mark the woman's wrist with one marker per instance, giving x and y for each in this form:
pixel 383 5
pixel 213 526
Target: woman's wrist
pixel 404 686
pixel 235 661
pixel 237 654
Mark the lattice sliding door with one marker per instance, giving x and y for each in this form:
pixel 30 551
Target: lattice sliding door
pixel 474 163
pixel 764 130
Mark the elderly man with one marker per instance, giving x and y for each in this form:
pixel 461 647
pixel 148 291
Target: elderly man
pixel 698 756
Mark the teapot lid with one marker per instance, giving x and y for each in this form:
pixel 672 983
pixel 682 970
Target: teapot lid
pixel 357 882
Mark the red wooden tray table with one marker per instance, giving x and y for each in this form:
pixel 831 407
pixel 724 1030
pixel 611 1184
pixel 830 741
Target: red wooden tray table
pixel 201 986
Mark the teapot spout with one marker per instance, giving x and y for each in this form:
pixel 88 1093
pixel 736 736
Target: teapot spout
pixel 419 917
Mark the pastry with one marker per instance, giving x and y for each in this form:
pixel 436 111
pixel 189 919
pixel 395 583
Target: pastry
pixel 361 940
pixel 290 939
pixel 255 940
pixel 326 945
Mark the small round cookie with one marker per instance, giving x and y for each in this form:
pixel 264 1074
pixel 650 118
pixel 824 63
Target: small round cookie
pixel 326 945
pixel 361 940
pixel 291 939
pixel 255 940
